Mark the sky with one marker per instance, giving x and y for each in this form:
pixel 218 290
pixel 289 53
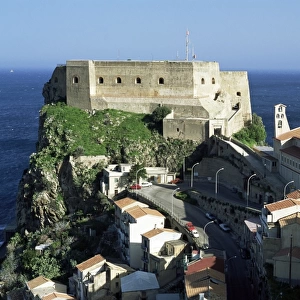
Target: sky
pixel 239 34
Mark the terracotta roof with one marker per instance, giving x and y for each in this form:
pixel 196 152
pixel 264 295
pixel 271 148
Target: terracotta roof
pixel 292 151
pixel 208 262
pixel 124 202
pixel 137 212
pixel 282 204
pixel 32 284
pixel 90 262
pixel 153 232
pixel 294 194
pixel 58 296
pixel 289 135
pixel 286 252
pixel 200 281
pixel 291 219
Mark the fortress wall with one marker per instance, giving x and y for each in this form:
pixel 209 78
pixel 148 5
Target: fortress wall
pixel 186 129
pixel 78 93
pixel 236 84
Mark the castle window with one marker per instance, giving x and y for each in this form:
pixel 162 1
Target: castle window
pixel 118 80
pixel 75 79
pixel 279 124
pixel 100 80
pixel 177 129
pixel 138 80
pixel 161 80
pixel 213 81
pixel 202 81
pixel 238 93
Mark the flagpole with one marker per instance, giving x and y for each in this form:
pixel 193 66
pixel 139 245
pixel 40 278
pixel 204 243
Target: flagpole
pixel 187 46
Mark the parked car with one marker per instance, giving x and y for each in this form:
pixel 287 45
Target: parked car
pixel 210 216
pixel 218 221
pixel 146 184
pixel 191 229
pixel 176 181
pixel 135 187
pixel 224 227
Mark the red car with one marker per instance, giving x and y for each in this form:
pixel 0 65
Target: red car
pixel 176 181
pixel 135 187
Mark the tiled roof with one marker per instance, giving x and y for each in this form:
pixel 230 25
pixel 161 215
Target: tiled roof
pixel 282 204
pixel 124 202
pixel 291 219
pixel 292 151
pixel 289 135
pixel 286 252
pixel 36 282
pixel 208 262
pixel 153 232
pixel 294 194
pixel 90 262
pixel 58 296
pixel 200 281
pixel 137 212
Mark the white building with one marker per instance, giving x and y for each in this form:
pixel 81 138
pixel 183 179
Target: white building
pixel 134 218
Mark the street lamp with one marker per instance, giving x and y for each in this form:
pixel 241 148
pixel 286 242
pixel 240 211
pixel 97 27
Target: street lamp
pixel 284 191
pixel 173 199
pixel 216 183
pixel 136 183
pixel 205 235
pixel 248 187
pixel 192 175
pixel 226 265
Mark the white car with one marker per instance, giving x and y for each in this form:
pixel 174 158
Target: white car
pixel 146 184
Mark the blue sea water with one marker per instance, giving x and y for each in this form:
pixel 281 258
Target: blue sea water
pixel 21 99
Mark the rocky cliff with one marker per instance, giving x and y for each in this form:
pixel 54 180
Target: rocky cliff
pixel 73 146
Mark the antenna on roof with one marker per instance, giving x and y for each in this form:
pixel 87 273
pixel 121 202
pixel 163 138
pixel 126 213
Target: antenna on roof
pixel 187 45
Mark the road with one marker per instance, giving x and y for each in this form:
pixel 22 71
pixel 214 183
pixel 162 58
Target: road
pixel 238 285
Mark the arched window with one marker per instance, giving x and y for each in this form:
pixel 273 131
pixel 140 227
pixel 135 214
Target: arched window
pixel 100 80
pixel 213 81
pixel 161 81
pixel 202 81
pixel 277 116
pixel 282 116
pixel 279 124
pixel 138 80
pixel 280 108
pixel 75 79
pixel 238 94
pixel 118 80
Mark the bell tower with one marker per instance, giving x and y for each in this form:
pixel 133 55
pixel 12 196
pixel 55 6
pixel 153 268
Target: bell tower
pixel 281 124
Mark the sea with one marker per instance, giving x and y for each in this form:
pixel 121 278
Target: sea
pixel 21 99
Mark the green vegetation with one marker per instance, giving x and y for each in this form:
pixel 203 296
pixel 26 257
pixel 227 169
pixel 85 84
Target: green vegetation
pixel 253 134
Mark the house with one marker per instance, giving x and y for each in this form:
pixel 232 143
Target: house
pixel 279 235
pixel 205 276
pixel 134 218
pixel 286 145
pixel 97 278
pixel 115 177
pixel 163 254
pixel 139 285
pixel 41 286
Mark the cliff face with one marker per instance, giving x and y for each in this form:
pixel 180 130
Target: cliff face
pixel 61 181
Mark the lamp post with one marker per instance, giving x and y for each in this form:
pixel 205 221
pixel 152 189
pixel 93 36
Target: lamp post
pixel 192 174
pixel 136 183
pixel 205 235
pixel 284 191
pixel 216 183
pixel 248 187
pixel 226 266
pixel 173 199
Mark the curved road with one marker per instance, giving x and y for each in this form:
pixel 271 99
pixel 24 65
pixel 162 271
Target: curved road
pixel 238 285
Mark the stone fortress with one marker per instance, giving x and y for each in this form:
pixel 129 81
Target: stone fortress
pixel 204 100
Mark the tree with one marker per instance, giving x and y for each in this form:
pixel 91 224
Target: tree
pixel 160 113
pixel 133 172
